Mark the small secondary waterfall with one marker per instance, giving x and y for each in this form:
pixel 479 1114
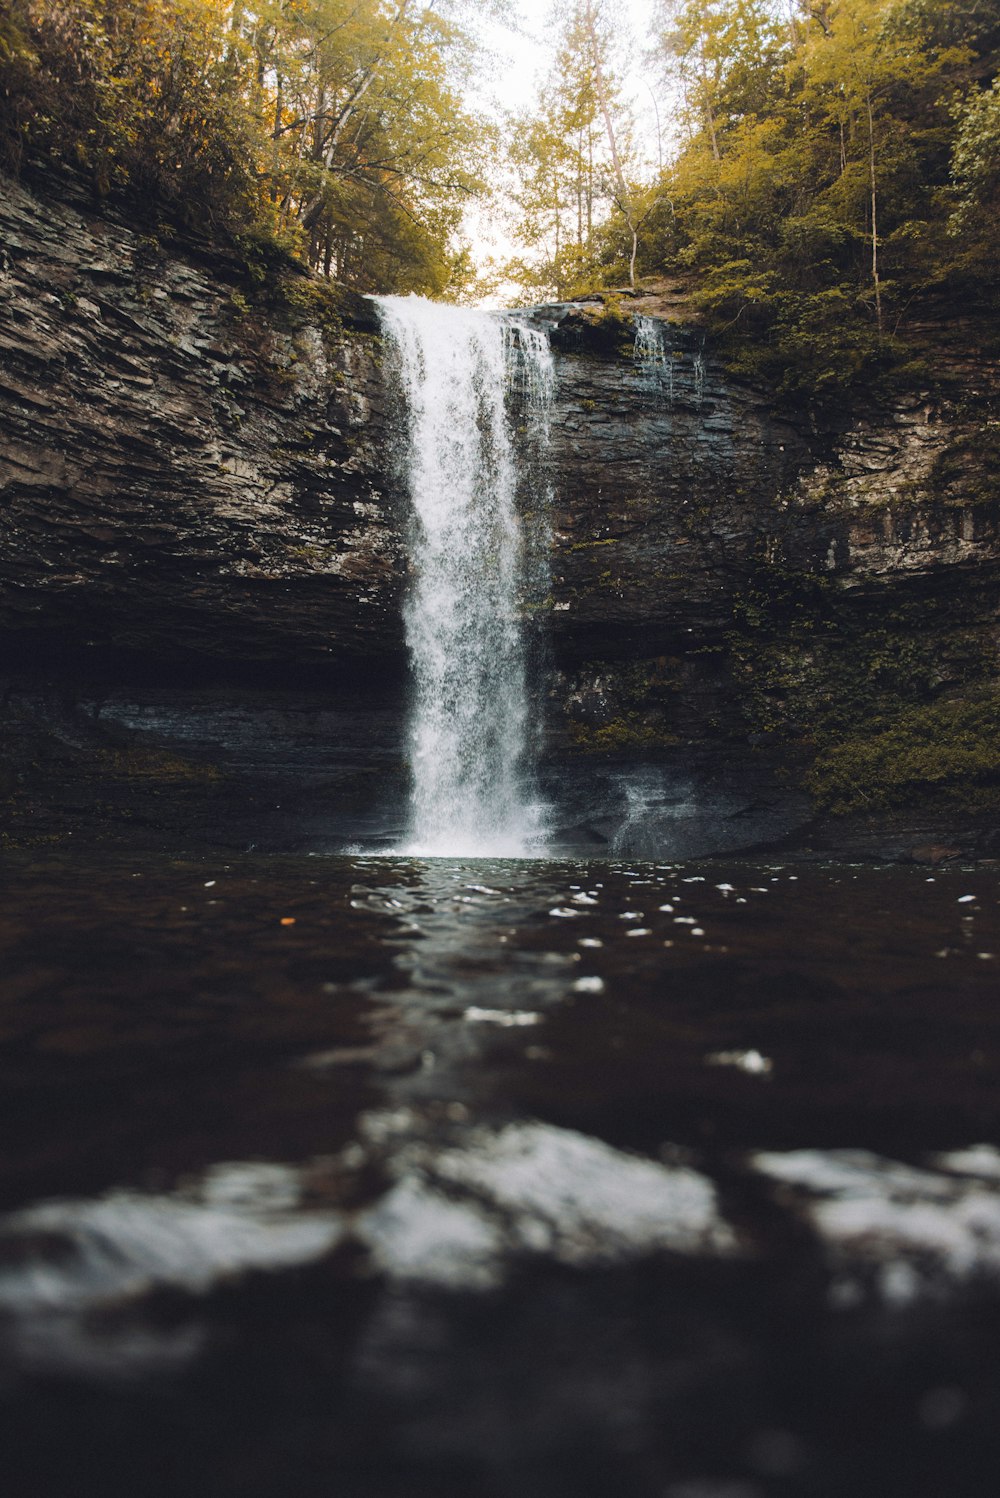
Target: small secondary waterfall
pixel 652 352
pixel 469 728
pixel 659 362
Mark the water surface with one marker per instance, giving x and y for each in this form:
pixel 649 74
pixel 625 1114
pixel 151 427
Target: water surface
pixel 392 1177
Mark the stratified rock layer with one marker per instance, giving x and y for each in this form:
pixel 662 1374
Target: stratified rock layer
pixel 192 466
pixel 183 473
pixel 199 478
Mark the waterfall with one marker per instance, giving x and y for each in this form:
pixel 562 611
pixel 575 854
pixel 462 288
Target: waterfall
pixel 469 732
pixel 699 377
pixel 652 353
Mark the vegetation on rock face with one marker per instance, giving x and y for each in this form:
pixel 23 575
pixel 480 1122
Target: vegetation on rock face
pixel 838 168
pixel 894 700
pixel 333 127
pixel 622 709
pixel 950 749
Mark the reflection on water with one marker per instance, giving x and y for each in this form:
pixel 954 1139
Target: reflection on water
pixel 63 1261
pixel 359 1147
pixel 457 1213
pixel 901 1230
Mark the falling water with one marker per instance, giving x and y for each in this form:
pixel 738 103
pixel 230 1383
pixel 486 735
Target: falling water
pixel 469 727
pixel 699 377
pixel 651 352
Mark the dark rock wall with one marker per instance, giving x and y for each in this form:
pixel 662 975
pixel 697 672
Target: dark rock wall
pixel 661 477
pixel 197 476
pixel 184 470
pixel 192 465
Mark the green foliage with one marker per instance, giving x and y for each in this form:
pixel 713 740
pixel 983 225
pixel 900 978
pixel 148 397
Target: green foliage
pixel 612 332
pixel 18 64
pixel 579 197
pixel 838 169
pixel 976 160
pixel 332 129
pixel 821 167
pixel 941 747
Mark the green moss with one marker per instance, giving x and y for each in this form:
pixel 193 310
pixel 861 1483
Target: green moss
pixel 612 331
pixel 314 553
pixel 630 731
pixel 313 301
pixel 779 596
pixel 950 746
pixel 135 763
pixel 893 699
pixel 965 471
pixel 630 708
pixel 589 545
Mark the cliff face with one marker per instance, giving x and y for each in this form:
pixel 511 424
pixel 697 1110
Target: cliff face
pixel 182 472
pixel 197 467
pixel 193 466
pixel 667 491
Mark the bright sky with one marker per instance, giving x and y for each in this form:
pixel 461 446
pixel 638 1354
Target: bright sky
pixel 522 59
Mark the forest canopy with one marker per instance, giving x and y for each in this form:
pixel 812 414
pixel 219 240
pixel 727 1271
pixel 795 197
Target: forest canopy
pixel 835 167
pixel 824 170
pixel 335 127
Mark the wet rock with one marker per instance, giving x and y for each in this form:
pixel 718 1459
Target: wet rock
pixel 184 473
pixel 934 853
pixel 195 469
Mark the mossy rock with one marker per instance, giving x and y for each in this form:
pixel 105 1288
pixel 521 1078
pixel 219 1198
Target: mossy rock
pixel 950 746
pixel 621 735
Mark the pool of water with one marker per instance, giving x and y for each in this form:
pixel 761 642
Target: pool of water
pixel 382 1177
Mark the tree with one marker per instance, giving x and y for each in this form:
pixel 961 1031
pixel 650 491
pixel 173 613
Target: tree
pixel 725 57
pixel 813 183
pixel 574 158
pixel 336 125
pixel 976 159
pixel 627 199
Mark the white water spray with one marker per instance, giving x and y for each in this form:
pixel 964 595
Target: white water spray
pixel 653 354
pixel 469 730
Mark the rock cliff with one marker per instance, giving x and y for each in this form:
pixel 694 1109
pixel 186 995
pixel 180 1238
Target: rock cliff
pixel 197 483
pixel 191 464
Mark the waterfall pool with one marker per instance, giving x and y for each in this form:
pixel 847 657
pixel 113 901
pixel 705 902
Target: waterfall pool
pixel 392 1177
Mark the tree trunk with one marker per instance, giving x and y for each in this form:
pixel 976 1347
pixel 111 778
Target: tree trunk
pixel 624 201
pixel 874 189
pixel 713 134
